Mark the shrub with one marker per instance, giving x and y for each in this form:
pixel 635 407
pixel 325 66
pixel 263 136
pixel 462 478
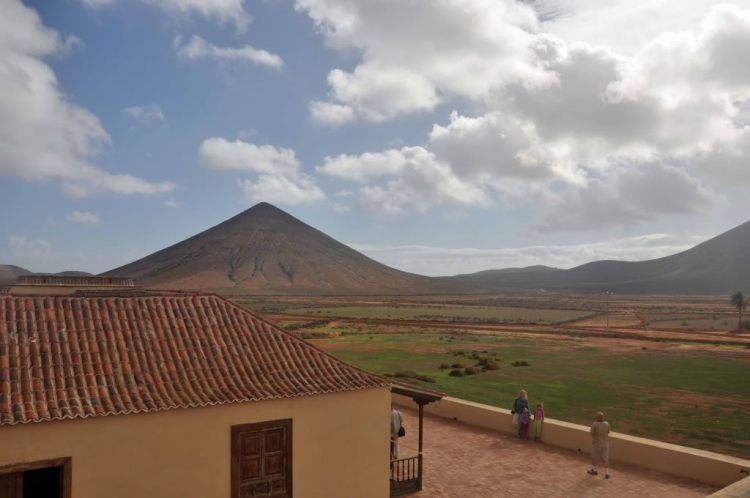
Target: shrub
pixel 644 348
pixel 411 374
pixel 491 365
pixel 406 373
pixel 521 363
pixel 456 373
pixel 313 335
pixel 471 371
pixel 684 324
pixel 457 365
pixel 444 366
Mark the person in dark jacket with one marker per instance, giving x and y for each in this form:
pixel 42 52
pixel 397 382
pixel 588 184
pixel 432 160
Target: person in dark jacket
pixel 521 402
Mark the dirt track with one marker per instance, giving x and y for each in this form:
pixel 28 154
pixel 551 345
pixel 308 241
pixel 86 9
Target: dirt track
pixel 687 335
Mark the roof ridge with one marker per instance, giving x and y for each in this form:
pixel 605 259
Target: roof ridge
pixel 284 331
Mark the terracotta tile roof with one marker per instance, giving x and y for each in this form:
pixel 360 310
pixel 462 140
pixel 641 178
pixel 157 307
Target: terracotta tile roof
pixel 73 281
pixel 87 355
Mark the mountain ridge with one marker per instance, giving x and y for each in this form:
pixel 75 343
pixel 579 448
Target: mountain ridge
pixel 718 265
pixel 265 250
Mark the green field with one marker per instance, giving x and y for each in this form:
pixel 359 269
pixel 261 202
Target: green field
pixel 699 400
pixel 717 321
pixel 509 315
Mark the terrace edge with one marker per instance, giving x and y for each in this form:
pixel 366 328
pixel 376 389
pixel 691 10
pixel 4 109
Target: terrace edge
pixel 704 466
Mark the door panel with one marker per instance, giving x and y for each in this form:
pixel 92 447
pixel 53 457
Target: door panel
pixel 11 486
pixel 261 460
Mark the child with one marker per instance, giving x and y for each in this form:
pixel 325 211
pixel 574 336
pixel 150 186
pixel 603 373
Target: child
pixel 538 422
pixel 523 425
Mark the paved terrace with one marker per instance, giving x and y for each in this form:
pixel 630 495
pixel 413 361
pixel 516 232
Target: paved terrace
pixel 462 461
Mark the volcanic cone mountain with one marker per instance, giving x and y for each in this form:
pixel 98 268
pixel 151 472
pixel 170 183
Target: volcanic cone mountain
pixel 266 250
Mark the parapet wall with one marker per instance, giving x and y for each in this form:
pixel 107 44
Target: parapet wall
pixel 739 489
pixel 703 466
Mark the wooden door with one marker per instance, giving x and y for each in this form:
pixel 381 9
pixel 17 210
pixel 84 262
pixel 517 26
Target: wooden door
pixel 262 460
pixel 11 486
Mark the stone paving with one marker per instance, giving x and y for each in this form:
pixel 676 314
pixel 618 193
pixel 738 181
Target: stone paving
pixel 462 461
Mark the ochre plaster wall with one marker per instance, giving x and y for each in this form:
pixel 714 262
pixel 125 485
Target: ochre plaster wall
pixel 704 466
pixel 340 447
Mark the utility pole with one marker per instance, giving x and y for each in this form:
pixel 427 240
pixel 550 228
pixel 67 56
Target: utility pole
pixel 607 293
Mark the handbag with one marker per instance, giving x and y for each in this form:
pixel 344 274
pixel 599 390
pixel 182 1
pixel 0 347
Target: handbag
pixel 401 431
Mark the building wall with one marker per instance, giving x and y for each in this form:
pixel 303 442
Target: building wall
pixel 704 466
pixel 340 447
pixel 62 290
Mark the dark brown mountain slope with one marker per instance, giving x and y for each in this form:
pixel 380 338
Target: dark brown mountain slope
pixel 719 265
pixel 265 250
pixel 9 273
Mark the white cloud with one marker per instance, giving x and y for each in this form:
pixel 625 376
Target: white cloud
pixel 490 146
pixel 83 217
pixel 623 25
pixel 359 168
pixel 417 54
pixel 222 11
pixel 219 153
pixel 173 204
pixel 345 193
pixel 147 113
pixel 595 137
pixel 97 4
pixel 443 261
pixel 280 179
pixel 330 114
pixel 20 246
pixel 340 208
pixel 627 197
pixel 278 189
pixel 198 48
pixel 421 180
pixel 45 135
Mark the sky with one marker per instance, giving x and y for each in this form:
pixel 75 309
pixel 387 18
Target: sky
pixel 436 137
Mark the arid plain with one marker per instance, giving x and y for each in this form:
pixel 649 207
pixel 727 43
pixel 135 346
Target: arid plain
pixel 671 368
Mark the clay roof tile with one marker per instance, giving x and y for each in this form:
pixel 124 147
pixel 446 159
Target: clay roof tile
pixel 99 353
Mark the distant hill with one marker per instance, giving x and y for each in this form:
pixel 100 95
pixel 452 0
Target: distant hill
pixel 72 274
pixel 266 250
pixel 719 265
pixel 9 273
